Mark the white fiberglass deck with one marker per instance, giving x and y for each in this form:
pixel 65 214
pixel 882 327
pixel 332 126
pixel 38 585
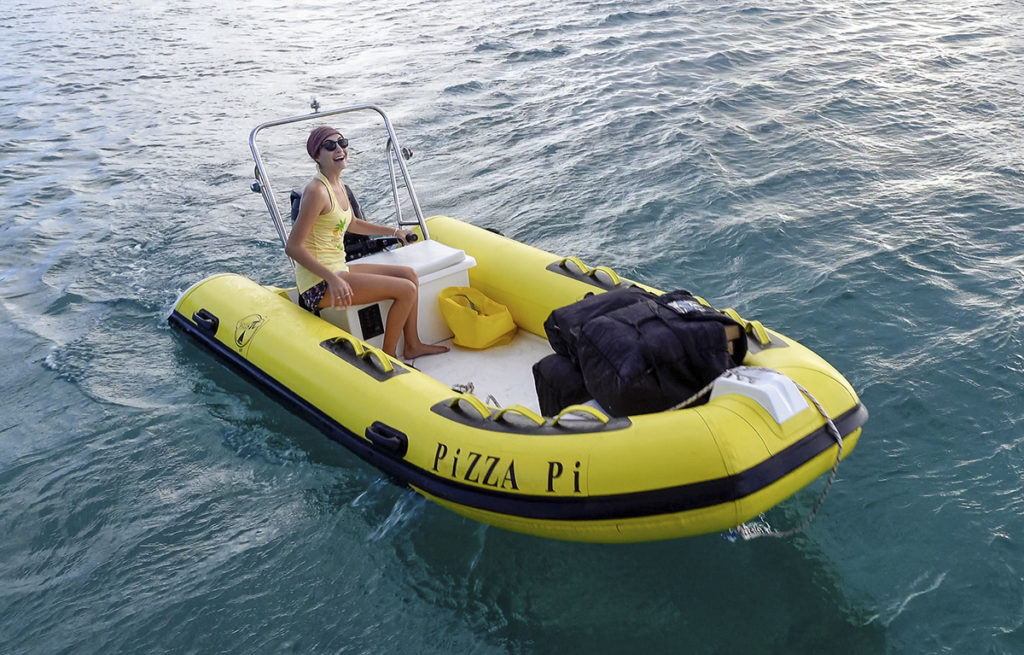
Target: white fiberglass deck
pixel 504 373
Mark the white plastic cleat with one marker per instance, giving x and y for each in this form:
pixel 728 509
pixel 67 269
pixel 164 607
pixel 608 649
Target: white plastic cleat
pixel 772 390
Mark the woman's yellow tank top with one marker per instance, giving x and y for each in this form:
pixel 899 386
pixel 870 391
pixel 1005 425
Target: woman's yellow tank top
pixel 325 241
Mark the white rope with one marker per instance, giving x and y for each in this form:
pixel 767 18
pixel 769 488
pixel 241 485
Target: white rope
pixel 700 394
pixel 748 531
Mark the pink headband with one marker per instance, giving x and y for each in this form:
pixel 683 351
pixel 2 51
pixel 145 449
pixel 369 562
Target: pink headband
pixel 316 137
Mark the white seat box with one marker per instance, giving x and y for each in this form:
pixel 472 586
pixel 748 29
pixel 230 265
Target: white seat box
pixel 437 266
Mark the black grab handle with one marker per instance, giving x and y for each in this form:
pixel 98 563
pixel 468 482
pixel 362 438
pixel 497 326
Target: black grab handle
pixel 386 438
pixel 206 320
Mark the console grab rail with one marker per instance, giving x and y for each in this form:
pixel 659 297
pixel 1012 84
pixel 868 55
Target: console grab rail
pixel 393 152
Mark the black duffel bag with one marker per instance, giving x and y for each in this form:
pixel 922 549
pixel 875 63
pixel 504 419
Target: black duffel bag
pixel 563 325
pixel 651 355
pixel 559 384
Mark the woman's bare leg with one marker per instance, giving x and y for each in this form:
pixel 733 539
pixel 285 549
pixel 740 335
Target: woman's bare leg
pixel 372 282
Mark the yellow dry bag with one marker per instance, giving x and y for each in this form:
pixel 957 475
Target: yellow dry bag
pixel 477 321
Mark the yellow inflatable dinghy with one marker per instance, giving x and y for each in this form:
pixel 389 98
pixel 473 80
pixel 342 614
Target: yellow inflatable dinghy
pixel 464 428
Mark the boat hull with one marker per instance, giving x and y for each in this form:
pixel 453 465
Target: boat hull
pixel 581 476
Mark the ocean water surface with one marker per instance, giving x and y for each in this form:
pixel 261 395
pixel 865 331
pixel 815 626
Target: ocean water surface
pixel 849 173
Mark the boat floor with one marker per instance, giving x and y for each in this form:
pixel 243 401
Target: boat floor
pixel 500 375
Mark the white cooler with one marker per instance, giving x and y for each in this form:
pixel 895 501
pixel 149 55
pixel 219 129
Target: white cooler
pixel 438 266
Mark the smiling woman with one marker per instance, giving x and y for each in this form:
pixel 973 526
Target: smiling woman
pixel 316 243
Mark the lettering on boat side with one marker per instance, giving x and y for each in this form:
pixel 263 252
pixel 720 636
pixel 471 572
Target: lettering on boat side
pixel 555 470
pixel 500 472
pixel 246 328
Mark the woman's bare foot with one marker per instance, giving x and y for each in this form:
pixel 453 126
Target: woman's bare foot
pixel 412 352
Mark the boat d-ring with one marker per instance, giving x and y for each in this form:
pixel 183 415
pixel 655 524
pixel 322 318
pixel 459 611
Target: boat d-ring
pixel 601 276
pixel 755 328
pixel 357 346
pixel 581 409
pixel 522 411
pixel 367 358
pixel 613 278
pixel 575 261
pixel 383 361
pixel 473 401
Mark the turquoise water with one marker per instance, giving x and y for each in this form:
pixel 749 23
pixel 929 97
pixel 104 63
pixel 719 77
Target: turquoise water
pixel 850 173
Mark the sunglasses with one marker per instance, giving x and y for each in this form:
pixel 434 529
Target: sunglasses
pixel 329 145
